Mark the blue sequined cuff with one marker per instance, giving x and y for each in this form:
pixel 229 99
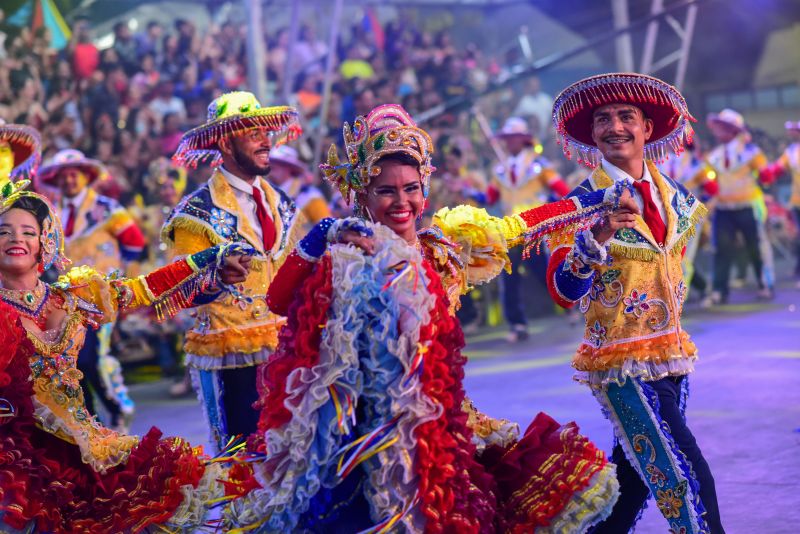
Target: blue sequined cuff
pixel 313 245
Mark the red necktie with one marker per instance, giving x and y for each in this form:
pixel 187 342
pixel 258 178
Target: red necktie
pixel 513 174
pixel 267 226
pixel 70 226
pixel 650 213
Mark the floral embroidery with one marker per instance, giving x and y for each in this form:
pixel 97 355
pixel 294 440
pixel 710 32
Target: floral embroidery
pixel 597 334
pixel 675 529
pixel 680 292
pixel 669 504
pixel 656 475
pixel 610 275
pixel 683 225
pixel 222 222
pixel 629 235
pixel 636 303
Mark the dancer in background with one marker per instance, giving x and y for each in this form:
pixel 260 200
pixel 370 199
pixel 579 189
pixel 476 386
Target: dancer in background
pixel 99 232
pixel 523 181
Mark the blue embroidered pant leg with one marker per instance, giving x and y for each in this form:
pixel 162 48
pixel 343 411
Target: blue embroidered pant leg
pixel 227 397
pixel 88 364
pixel 650 460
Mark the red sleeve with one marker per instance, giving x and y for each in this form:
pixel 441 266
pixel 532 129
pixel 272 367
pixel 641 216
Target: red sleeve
pixel 556 258
pixel 559 187
pixel 711 188
pixel 132 237
pixel 492 194
pixel 286 282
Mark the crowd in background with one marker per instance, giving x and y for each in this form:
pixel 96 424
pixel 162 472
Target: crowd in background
pixel 130 103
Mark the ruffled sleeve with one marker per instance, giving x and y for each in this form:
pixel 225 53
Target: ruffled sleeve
pixel 167 289
pixel 481 241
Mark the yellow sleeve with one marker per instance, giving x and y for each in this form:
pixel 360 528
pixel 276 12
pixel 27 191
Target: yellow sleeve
pixel 482 240
pixel 107 295
pixel 186 242
pixel 316 210
pixel 758 162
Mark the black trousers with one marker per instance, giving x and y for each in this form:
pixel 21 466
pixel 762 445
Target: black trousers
pixel 634 493
pixel 516 285
pixel 88 361
pixel 239 394
pixel 727 224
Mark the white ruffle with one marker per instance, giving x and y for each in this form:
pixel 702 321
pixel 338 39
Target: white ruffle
pixel 192 511
pixel 631 368
pixel 228 361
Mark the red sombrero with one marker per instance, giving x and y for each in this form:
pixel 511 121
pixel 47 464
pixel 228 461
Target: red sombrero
pixel 661 102
pixel 67 158
pixel 25 145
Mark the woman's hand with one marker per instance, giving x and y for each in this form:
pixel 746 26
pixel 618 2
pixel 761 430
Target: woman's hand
pixel 234 269
pixel 622 217
pixel 365 243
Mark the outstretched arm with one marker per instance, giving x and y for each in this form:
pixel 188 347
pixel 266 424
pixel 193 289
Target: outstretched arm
pixel 167 289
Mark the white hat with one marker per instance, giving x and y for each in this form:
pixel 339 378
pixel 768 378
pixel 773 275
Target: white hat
pixel 515 126
pixel 287 155
pixel 729 117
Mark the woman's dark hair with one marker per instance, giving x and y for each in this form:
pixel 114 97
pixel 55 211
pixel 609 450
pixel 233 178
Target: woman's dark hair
pixel 34 206
pixel 399 157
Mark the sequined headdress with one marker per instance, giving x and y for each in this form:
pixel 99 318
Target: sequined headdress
pixel 25 146
pixel 661 102
pixel 231 114
pixel 52 236
pixel 387 129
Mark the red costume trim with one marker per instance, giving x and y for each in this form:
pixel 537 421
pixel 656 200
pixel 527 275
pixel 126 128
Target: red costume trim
pixel 44 481
pixel 169 277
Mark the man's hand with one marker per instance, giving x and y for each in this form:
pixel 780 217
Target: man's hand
pixel 622 217
pixel 235 269
pixel 365 243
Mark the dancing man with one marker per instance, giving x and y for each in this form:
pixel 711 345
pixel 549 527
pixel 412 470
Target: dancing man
pixel 628 282
pixel 235 333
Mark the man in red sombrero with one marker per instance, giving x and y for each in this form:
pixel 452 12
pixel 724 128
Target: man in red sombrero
pixel 235 333
pixel 635 355
pixel 524 180
pixel 99 232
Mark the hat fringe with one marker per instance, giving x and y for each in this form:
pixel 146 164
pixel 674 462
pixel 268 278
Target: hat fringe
pixel 612 88
pixel 196 145
pixel 25 135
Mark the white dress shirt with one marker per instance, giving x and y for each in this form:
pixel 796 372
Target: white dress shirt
pixel 617 174
pixel 76 201
pixel 243 191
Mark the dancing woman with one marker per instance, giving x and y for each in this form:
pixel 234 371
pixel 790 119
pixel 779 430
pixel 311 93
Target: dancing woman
pixel 364 422
pixel 61 470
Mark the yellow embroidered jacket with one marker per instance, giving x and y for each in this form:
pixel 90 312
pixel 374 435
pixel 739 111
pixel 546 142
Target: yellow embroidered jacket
pixel 229 332
pixel 104 234
pixel 533 182
pixel 790 161
pixel 736 166
pixel 632 306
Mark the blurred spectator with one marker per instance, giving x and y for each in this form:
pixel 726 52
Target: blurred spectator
pixel 125 47
pixel 166 102
pixel 536 106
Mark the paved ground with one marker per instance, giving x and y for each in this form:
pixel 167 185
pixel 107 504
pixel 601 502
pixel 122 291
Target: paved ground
pixel 744 406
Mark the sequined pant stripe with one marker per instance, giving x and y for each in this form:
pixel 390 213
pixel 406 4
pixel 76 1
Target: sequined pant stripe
pixel 645 438
pixel 208 386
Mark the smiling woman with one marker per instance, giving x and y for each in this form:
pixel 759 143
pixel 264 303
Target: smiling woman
pixel 56 451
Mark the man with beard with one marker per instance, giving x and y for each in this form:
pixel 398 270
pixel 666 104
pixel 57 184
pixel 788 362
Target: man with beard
pixel 236 332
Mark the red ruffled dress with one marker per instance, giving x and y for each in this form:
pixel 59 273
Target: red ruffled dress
pixel 365 423
pixel 61 471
